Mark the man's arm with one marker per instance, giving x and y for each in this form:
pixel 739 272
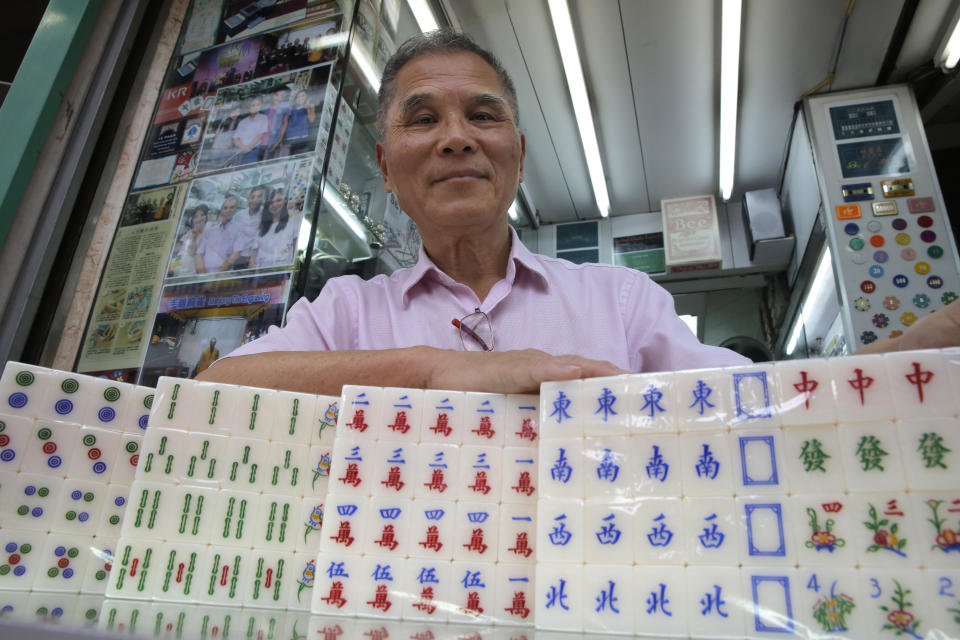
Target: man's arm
pixel 325 372
pixel 934 331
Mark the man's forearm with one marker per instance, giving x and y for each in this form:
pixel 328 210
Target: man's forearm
pixel 324 372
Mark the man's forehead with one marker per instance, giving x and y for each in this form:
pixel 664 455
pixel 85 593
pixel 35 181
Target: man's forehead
pixel 425 74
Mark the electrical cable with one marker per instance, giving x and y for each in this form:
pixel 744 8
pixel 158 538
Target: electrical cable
pixel 832 74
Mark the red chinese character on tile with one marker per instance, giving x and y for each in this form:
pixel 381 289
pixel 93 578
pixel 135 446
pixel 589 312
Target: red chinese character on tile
pixel 806 387
pixel 919 377
pixel 352 476
pixel 393 480
pixel 523 484
pixel 893 509
pixel 335 597
pixel 380 599
pixel 378 634
pixel 527 431
pixel 443 426
pixel 426 601
pixel 518 607
pixel 955 508
pixel 387 538
pixel 400 422
pixel 476 542
pixel 480 483
pixel 433 539
pixel 436 481
pixel 358 421
pixel 521 547
pixel 860 383
pixel 426 634
pixel 330 633
pixel 485 430
pixel 343 534
pixel 473 603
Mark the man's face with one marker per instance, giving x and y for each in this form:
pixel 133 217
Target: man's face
pixel 255 106
pixel 227 210
pixel 279 96
pixel 451 152
pixel 255 201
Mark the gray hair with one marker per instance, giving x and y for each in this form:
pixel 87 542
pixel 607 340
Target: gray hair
pixel 440 41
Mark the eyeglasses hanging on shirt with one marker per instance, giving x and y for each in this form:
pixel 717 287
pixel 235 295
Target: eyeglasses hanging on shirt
pixel 476 331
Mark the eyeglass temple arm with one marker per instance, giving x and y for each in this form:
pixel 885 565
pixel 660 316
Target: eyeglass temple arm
pixel 470 332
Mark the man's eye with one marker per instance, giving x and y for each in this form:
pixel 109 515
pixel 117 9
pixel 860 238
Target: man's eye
pixel 482 116
pixel 422 120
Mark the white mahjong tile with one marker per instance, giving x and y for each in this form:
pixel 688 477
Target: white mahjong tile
pixel 402 415
pixel 352 467
pixel 380 587
pixel 310 525
pixel 286 470
pixel 137 569
pixel 769 593
pixel 15 434
pixel 894 603
pixel 325 421
pixel 560 600
pixel 95 451
pixel 608 599
pixel 388 530
pixel 138 415
pixel 522 425
pixel 51 448
pixel 162 455
pixel 607 407
pixel 224 570
pixel 233 516
pixel 520 478
pixel 518 533
pixel 560 532
pixel 247 464
pixel 654 403
pixel 936 519
pixel 31 502
pixel 394 469
pixel 203 460
pixel 656 465
pixel 433 523
pixel 475 531
pixel 170 407
pixel 812 459
pixel 885 534
pixel 715 600
pixel 65 397
pixel 100 552
pixel 13 604
pixel 658 531
pixel 143 518
pixel 562 409
pixel 871 456
pixel 21 557
pixel 317 480
pixel 824 524
pixel 23 389
pixel 659 602
pixel 189 516
pixel 360 409
pixel 428 583
pixel 114 507
pixel 293 420
pixel 273 580
pixel 515 594
pixel 52 608
pixel 712 532
pixel 106 403
pixel 481 473
pixel 180 577
pixel 754 396
pixel 277 524
pixel 437 471
pixel 831 602
pixel 703 399
pixel 707 464
pixel 931 452
pixel 607 464
pixel 344 518
pixel 806 392
pixel 759 461
pixel 128 456
pixel 863 388
pixel 939 598
pixel 768 531
pixel 473 593
pixel 215 408
pixel 80 507
pixel 562 468
pixel 609 532
pixel 120 616
pixel 444 416
pixel 484 417
pixel 301 580
pixel 920 382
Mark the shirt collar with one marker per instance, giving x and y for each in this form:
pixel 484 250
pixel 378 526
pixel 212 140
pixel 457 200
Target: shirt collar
pixel 519 255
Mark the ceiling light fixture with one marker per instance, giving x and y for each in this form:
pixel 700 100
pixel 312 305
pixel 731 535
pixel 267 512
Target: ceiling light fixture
pixel 343 210
pixel 563 28
pixel 948 53
pixel 423 15
pixel 362 58
pixel 729 81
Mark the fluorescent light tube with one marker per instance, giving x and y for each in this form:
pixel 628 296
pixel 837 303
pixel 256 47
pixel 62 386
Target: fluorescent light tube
pixel 823 276
pixel 423 15
pixel 948 53
pixel 729 80
pixel 563 28
pixel 339 205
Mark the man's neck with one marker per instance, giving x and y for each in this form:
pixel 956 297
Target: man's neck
pixel 478 262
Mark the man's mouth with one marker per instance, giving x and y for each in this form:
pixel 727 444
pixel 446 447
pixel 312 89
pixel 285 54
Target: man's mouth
pixel 466 174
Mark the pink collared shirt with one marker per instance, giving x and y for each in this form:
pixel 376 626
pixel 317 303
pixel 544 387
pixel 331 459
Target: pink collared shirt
pixel 598 311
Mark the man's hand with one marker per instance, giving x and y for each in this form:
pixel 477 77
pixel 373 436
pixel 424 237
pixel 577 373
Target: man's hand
pixel 934 331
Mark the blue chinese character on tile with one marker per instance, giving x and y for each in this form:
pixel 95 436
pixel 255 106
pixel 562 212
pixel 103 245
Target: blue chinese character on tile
pixel 404 406
pixel 561 471
pixel 660 535
pixel 336 570
pixel 711 538
pixel 556 595
pixel 606 599
pixel 397 457
pixel 606 401
pixel 481 461
pixel 657 602
pixel 472 580
pixel 428 575
pixel 700 395
pixel 560 406
pixel 652 401
pixel 608 534
pixel 560 536
pixel 438 460
pixel 707 466
pixel 657 469
pixel 382 572
pixel 608 469
pixel 354 455
pixel 713 602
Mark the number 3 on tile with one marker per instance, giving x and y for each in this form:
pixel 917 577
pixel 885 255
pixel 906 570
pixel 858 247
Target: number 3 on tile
pixel 876 585
pixel 813 585
pixel 946 584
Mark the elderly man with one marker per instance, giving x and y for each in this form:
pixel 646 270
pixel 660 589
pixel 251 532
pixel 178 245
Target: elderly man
pixel 453 156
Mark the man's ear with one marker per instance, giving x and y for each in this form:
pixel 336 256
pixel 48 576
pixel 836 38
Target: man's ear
pixel 384 171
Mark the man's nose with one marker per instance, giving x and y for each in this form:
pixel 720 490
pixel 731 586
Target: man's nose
pixel 456 136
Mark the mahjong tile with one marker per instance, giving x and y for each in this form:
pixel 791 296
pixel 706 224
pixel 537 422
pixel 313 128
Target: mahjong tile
pixel 484 417
pixel 31 502
pixel 520 479
pixel 824 525
pixel 344 520
pixel 170 407
pixel 473 591
pixel 203 460
pixel 325 421
pixel 871 456
pixel 768 531
pixel 657 531
pixel 128 456
pixel 443 416
pixel 273 580
pixel 893 603
pixel 703 399
pixel 475 532
pixel 114 507
pixel 277 523
pixel 188 514
pixel 712 532
pixel 337 585
pixel 433 525
pixel 607 462
pixel 863 388
pixel 609 532
pixel 658 599
pixel 143 517
pixel 20 559
pixel 806 392
pixel 162 453
pixel 100 553
pixel 481 474
pixel 562 409
pixel 293 422
pixel 428 583
pixel 608 591
pixel 931 452
pixel 317 480
pixel 136 570
pixel 388 530
pixel 518 533
pixel 402 415
pixel 23 389
pixel 95 452
pixel 138 414
pixel 351 470
pixel 224 570
pixel 522 425
pixel 80 507
pixel 939 597
pixel 936 519
pixel 247 462
pixel 380 592
pixel 654 403
pixel 832 601
pixel 301 581
pixel 233 516
pixel 51 448
pixel 360 409
pixel 770 595
pixel 812 459
pixel 286 469
pixel 920 382
pixel 560 600
pixel 256 412
pixel 707 464
pixel 607 406
pixel 560 531
pixel 656 465
pixel 753 397
pixel 714 597
pixel 15 434
pixel 562 468
pixel 309 527
pixel 180 577
pixel 437 471
pixel 885 535
pixel 63 563
pixel 759 461
pixel 106 403
pixel 394 468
